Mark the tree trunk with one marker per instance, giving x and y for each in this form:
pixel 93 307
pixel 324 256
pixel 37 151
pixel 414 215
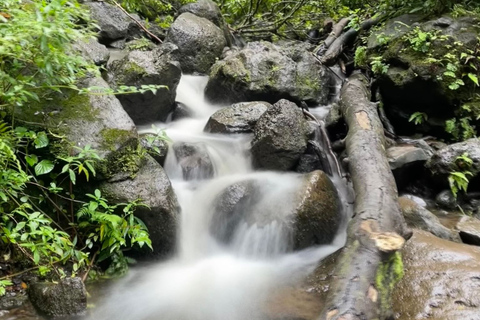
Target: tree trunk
pixel 370 264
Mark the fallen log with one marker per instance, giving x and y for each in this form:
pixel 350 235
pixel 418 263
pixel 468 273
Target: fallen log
pixel 370 264
pixel 336 32
pixel 329 57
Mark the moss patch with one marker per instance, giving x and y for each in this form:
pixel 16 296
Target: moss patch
pixel 125 163
pixel 389 273
pixel 112 138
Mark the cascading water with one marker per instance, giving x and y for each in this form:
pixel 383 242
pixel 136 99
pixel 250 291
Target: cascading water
pixel 211 279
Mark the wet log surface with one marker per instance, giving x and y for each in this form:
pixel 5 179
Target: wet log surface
pixel 370 264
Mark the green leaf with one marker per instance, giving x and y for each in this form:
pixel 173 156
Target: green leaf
pixel 44 167
pixel 41 141
pixel 73 178
pixel 474 78
pixel 31 159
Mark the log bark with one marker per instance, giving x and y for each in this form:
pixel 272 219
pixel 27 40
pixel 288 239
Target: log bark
pixel 336 32
pixel 370 264
pixel 329 57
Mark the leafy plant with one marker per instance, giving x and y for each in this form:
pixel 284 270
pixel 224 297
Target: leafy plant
pixel 420 40
pixel 458 180
pixel 3 284
pixel 361 56
pixel 378 66
pixel 418 118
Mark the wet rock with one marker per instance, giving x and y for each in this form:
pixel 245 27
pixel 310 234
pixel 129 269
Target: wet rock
pixel 151 184
pixel 68 297
pixel 445 160
pixel 12 302
pixel 95 120
pixel 469 230
pixel 280 137
pixel 394 29
pixel 318 214
pixel 238 118
pixel 155 146
pixel 230 207
pixel 401 156
pixel 112 22
pixel 418 217
pixel 194 160
pixel 200 42
pixel 181 111
pixel 264 71
pixel 137 68
pixel 446 200
pixel 441 280
pixel 90 49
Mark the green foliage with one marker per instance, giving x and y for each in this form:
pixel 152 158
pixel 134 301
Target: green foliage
pixel 420 40
pixel 458 180
pixel 418 118
pixel 378 66
pixel 361 57
pixel 3 284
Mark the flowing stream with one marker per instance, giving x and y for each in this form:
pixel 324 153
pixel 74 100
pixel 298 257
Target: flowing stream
pixel 210 279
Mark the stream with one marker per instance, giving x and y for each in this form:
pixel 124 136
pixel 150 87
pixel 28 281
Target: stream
pixel 207 278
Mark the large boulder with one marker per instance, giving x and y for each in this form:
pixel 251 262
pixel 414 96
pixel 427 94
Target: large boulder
pixel 280 137
pixel 91 50
pixel 194 160
pixel 238 118
pixel 441 280
pixel 418 54
pixel 264 71
pixel 113 23
pixel 318 213
pixel 68 297
pixel 149 183
pixel 95 120
pixel 156 67
pixel 200 42
pixel 209 10
pixel 447 159
pixel 419 217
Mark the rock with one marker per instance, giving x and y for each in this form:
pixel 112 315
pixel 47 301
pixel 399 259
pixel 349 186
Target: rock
pixel 194 160
pixel 393 29
pixel 445 160
pixel 230 207
pixel 137 68
pixel 68 297
pixel 280 137
pixel 401 156
pixel 92 50
pixel 112 22
pixel 318 214
pixel 446 200
pixel 238 118
pixel 119 44
pixel 469 230
pixel 419 201
pixel 181 111
pixel 441 280
pixel 156 146
pixel 209 10
pixel 264 71
pixel 199 41
pixel 151 184
pixel 12 302
pixel 418 217
pixel 414 84
pixel 95 120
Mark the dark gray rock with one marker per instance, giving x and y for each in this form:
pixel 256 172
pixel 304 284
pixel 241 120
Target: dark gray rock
pixel 318 214
pixel 113 23
pixel 445 160
pixel 402 156
pixel 137 68
pixel 280 137
pixel 230 208
pixel 446 200
pixel 92 50
pixel 151 184
pixel 238 118
pixel 194 160
pixel 469 230
pixel 119 44
pixel 421 218
pixel 68 297
pixel 8 302
pixel 264 71
pixel 200 42
pixel 181 111
pixel 156 146
pixel 393 29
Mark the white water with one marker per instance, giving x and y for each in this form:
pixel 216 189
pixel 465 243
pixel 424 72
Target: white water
pixel 208 280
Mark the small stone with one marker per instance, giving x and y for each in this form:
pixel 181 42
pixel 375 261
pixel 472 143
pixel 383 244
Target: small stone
pixel 469 229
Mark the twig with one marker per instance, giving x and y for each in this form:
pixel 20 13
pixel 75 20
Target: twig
pixel 90 265
pixel 137 22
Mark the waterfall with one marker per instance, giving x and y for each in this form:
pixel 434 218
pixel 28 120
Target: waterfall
pixel 209 279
